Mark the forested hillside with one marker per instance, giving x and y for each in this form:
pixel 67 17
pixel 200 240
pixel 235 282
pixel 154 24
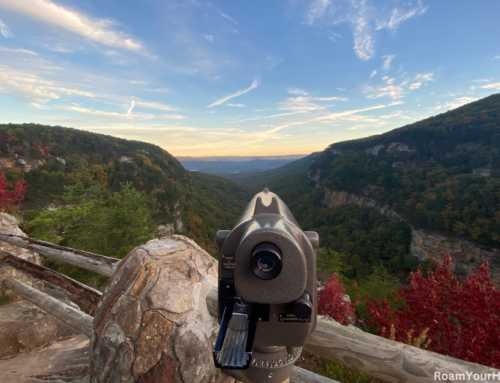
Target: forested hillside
pixel 67 165
pixel 441 173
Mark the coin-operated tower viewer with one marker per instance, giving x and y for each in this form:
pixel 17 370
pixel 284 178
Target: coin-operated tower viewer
pixel 267 291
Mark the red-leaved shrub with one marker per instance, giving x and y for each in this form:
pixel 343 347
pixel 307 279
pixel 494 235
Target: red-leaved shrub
pixel 459 319
pixel 331 302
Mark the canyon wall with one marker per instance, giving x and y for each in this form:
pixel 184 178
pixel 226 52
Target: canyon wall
pixel 466 255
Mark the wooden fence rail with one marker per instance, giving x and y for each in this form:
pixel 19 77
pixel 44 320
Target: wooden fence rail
pixel 89 261
pixel 74 318
pixel 84 296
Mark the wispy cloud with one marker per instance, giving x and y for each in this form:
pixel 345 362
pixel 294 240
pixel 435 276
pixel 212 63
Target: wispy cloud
pixel 30 86
pixel 330 99
pixel 399 15
pixel 482 80
pixel 254 85
pixel 365 19
pixel 300 104
pixel 373 74
pixel 236 105
pixel 154 105
pixel 397 88
pixel 101 31
pixel 317 10
pixel 420 79
pixel 387 61
pixel 297 91
pixel 210 38
pixel 4 30
pixel 128 115
pixel 18 50
pixel 492 86
pixel 227 17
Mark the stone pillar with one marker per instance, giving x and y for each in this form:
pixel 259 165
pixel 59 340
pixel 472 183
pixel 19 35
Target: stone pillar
pixel 152 324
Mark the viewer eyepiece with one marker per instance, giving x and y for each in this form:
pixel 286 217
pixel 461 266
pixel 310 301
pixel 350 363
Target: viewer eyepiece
pixel 266 261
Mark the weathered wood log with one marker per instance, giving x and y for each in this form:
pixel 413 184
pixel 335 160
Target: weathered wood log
pixel 75 318
pixel 84 296
pixel 299 375
pixel 383 358
pixel 99 264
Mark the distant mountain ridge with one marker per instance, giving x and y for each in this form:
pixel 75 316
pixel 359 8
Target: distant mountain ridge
pixel 240 158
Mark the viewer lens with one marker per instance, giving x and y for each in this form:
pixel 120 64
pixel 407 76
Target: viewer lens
pixel 266 260
pixel 265 263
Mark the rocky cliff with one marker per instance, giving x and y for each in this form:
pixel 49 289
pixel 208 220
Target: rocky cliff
pixel 425 245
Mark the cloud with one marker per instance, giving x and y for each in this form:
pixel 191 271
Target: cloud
pixel 236 105
pixel 424 77
pixel 449 105
pixel 254 85
pixel 139 82
pixel 101 31
pixel 132 104
pixel 482 80
pixel 387 61
pixel 159 90
pixel 399 15
pixel 492 86
pixel 496 57
pixel 30 86
pixel 59 48
pixel 115 115
pixel 317 10
pixel 330 99
pixel 4 30
pixel 227 17
pixel 365 18
pixel 210 38
pixel 300 104
pixel 18 50
pixel 399 88
pixel 373 74
pixel 297 91
pixel 153 105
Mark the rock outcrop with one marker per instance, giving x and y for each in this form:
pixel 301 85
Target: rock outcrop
pixel 466 255
pixel 152 324
pixel 24 328
pixel 66 361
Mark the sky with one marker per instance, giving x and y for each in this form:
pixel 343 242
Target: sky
pixel 249 78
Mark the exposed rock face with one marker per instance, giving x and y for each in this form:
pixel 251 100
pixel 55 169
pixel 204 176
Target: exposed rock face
pixel 9 224
pixel 65 361
pixel 152 324
pixel 25 165
pixel 335 198
pixel 24 328
pixel 397 147
pixel 375 150
pixel 482 172
pixel 466 255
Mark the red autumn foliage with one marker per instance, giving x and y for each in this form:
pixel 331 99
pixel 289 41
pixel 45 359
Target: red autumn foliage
pixel 10 195
pixel 462 318
pixel 331 302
